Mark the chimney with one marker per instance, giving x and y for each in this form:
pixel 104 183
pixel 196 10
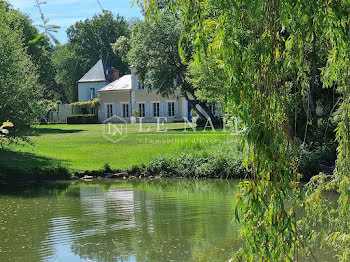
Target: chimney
pixel 114 74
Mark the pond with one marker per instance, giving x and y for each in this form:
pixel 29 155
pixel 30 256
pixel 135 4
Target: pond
pixel 135 220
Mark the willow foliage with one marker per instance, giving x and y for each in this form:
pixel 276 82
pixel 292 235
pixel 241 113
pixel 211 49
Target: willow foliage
pixel 262 46
pixel 337 72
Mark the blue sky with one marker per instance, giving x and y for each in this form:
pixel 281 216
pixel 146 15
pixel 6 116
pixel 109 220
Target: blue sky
pixel 66 12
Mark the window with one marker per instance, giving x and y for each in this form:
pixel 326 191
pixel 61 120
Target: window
pixel 142 110
pixel 156 109
pixel 212 108
pixel 92 93
pixel 171 109
pixel 109 111
pixel 125 110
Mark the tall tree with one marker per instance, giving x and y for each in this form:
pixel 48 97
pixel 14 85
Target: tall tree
pixel 38 47
pixel 154 53
pixel 264 47
pixel 88 41
pixel 66 64
pixel 19 81
pixel 209 79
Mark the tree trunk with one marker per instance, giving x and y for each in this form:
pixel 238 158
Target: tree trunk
pixel 204 106
pixel 193 105
pixel 214 119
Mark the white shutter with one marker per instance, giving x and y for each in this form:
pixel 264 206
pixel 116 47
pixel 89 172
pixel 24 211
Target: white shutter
pixel 176 106
pixel 104 111
pixel 148 109
pixel 114 109
pixel 163 109
pixel 120 110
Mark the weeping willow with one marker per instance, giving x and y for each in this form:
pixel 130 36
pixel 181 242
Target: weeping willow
pixel 261 46
pixel 336 234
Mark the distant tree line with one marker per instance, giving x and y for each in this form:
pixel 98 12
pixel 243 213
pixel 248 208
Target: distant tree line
pixel 35 75
pixel 88 41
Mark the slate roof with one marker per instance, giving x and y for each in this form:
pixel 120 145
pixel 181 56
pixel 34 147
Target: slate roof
pixel 98 73
pixel 123 83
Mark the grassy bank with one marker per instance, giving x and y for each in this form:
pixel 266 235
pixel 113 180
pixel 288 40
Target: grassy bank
pixel 78 148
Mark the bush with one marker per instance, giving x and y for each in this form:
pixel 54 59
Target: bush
pixel 198 166
pixel 107 168
pixel 19 81
pixel 311 159
pixel 82 119
pixel 194 113
pixel 53 172
pixel 135 113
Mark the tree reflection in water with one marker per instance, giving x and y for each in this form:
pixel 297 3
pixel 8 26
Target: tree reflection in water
pixel 149 220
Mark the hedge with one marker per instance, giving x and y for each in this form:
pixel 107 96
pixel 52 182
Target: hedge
pixel 82 119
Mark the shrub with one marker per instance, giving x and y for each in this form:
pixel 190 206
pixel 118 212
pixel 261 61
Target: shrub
pixel 194 113
pixel 135 170
pixel 53 172
pixel 135 113
pixel 221 166
pixel 311 159
pixel 107 168
pixel 82 119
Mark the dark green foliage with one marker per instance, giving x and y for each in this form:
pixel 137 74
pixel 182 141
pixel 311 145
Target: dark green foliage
pixel 314 136
pixel 19 82
pixel 39 173
pixel 311 159
pixel 154 53
pixel 88 41
pixel 136 170
pixel 38 47
pixel 107 168
pixel 93 37
pixel 82 119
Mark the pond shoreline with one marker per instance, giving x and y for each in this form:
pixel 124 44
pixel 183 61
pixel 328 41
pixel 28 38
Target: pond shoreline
pixel 59 173
pixel 119 175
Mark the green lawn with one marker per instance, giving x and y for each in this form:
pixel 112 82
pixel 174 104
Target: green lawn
pixel 83 147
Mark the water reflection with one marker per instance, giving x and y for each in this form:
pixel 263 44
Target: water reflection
pixel 159 220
